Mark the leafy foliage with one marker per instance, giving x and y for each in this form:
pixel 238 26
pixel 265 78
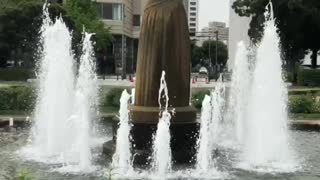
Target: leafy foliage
pixel 302 104
pixel 84 14
pixel 297 22
pixel 21 21
pixel 309 77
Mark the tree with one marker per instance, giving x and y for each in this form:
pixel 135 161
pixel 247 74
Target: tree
pixel 20 22
pixel 297 22
pixel 84 15
pixel 196 54
pixel 209 52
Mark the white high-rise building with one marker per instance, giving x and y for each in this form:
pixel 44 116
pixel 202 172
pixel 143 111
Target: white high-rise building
pixel 238 31
pixel 193 15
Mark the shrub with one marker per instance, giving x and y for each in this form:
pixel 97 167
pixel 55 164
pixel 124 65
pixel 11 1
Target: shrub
pixel 302 104
pixel 15 74
pixel 112 98
pixel 198 97
pixel 17 98
pixel 309 77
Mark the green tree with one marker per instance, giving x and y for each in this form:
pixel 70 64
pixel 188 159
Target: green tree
pixel 20 29
pixel 84 15
pixel 209 52
pixel 196 55
pixel 297 22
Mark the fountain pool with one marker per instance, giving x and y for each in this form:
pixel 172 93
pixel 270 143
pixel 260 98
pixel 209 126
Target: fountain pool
pixel 306 144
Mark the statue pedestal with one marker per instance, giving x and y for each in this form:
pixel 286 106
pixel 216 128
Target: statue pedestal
pixel 184 130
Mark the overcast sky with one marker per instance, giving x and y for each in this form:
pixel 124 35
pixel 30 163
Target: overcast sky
pixel 213 10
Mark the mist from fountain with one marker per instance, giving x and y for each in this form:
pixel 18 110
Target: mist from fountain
pixel 161 157
pixel 122 159
pixel 239 92
pixel 265 136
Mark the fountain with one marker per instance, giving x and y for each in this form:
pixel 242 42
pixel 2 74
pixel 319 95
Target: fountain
pixel 161 144
pixel 66 103
pixel 122 157
pixel 159 129
pixel 266 145
pixel 211 120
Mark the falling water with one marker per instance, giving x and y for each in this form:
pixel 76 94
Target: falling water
pixel 241 80
pixel 122 157
pixel 161 146
pixel 65 105
pixel 266 145
pixel 211 119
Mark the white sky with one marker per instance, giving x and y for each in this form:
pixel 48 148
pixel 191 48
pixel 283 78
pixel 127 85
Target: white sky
pixel 213 10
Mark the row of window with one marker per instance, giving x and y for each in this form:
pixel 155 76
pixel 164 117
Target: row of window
pixel 110 11
pixel 115 11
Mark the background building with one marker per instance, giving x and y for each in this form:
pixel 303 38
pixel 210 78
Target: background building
pixel 193 16
pixel 124 18
pixel 211 32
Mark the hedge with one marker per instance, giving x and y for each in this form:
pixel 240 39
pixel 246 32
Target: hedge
pixel 17 98
pixel 309 77
pixel 15 74
pixel 112 97
pixel 303 104
pixel 198 97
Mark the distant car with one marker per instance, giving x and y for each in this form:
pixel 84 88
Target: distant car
pixel 203 71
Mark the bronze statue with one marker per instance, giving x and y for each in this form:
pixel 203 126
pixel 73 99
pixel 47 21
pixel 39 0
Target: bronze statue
pixel 164 45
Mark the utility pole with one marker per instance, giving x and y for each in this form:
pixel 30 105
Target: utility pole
pixel 123 73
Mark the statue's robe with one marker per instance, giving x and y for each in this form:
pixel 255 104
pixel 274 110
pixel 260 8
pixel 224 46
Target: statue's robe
pixel 164 45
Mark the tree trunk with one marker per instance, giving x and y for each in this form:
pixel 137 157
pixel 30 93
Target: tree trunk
pixel 314 58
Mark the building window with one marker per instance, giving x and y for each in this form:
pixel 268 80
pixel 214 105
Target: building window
pixel 193 8
pixel 110 11
pixel 193 24
pixel 193 19
pixel 193 14
pixel 136 20
pixel 193 3
pixel 192 30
